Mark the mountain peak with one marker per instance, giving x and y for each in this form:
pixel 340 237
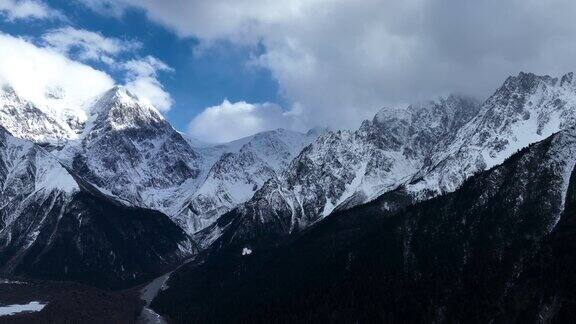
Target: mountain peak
pixel 527 82
pixel 453 107
pixel 120 94
pixel 25 120
pixel 120 109
pixel 387 114
pixel 460 98
pixel 7 90
pixel 567 79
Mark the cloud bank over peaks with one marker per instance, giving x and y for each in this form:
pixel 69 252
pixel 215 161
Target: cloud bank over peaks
pixel 46 77
pixel 140 73
pixel 233 120
pixel 47 70
pixel 342 60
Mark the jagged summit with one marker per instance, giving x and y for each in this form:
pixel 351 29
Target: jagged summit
pixel 122 96
pixel 116 109
pixel 429 148
pixel 345 168
pixel 386 114
pixel 129 150
pixel 455 110
pixel 528 79
pixel 567 79
pixel 242 167
pixel 527 108
pixel 25 120
pixel 119 109
pixel 527 82
pixel 55 125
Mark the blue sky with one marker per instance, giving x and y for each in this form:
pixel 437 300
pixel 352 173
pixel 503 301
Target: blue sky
pixel 224 69
pixel 197 81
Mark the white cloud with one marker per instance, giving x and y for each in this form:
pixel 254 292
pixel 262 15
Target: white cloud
pixel 207 19
pixel 141 74
pixel 27 9
pixel 148 66
pixel 33 71
pixel 229 121
pixel 87 45
pixel 341 60
pixel 141 79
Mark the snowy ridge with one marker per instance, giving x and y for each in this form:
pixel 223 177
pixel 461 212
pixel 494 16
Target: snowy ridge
pixel 23 119
pixel 128 151
pixel 242 168
pixel 345 168
pixel 526 109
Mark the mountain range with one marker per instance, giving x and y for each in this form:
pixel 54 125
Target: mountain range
pixel 452 209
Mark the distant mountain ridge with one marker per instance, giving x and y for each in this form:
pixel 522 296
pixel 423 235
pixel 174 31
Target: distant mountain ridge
pixel 238 173
pixel 127 149
pixel 121 153
pixel 98 183
pixel 527 108
pixel 342 169
pixel 416 154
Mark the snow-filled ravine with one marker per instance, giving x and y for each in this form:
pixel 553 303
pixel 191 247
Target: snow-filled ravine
pixel 33 306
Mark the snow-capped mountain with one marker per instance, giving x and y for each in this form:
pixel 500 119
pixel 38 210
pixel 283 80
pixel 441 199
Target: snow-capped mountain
pixel 426 150
pixel 129 150
pixel 525 109
pixel 25 120
pixel 242 168
pixel 55 225
pixel 123 153
pixel 345 168
pixel 126 148
pixel 96 186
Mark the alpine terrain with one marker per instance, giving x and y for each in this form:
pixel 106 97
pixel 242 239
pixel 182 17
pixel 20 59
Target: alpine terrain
pixel 447 210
